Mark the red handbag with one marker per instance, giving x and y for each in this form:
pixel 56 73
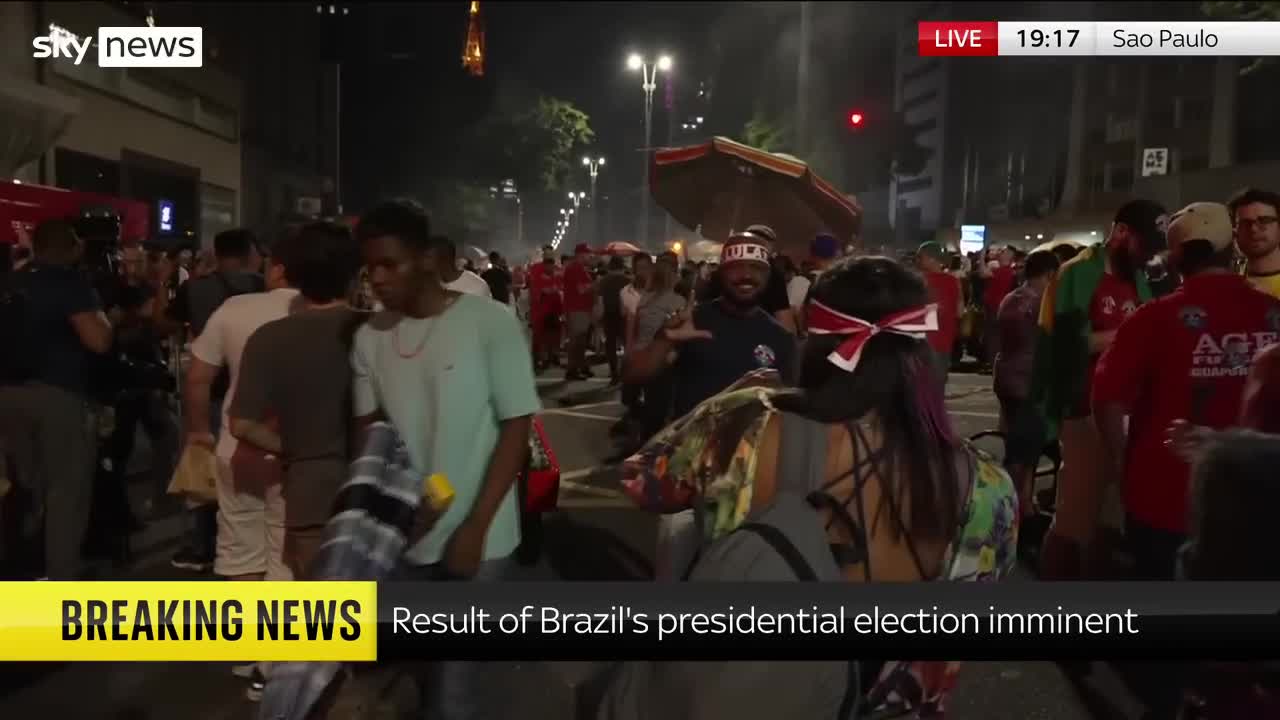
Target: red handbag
pixel 541 482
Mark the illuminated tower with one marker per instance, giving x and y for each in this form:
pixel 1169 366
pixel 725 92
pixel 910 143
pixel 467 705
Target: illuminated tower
pixel 473 51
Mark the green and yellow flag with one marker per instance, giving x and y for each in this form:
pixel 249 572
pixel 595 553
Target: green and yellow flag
pixel 1062 343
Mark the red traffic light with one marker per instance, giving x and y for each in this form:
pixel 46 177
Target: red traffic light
pixel 855 119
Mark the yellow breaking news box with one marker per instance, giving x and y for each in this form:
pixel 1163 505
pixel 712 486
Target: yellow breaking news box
pixel 176 621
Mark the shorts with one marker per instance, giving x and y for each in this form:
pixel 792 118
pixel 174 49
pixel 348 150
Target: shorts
pixel 251 528
pixel 579 323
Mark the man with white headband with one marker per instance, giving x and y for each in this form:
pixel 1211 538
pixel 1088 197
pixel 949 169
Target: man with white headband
pixel 717 342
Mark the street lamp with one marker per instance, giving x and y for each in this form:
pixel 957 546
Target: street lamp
pixel 649 76
pixel 593 166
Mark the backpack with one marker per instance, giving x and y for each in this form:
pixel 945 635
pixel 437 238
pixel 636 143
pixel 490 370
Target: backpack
pixel 786 541
pixel 17 361
pixel 222 383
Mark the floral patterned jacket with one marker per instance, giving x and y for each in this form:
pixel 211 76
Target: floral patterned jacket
pixel 674 472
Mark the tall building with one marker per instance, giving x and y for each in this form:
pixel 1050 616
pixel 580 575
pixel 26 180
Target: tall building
pixel 290 58
pixel 1035 148
pixel 167 137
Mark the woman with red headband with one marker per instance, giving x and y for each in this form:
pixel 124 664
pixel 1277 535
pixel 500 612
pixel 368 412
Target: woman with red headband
pixel 898 495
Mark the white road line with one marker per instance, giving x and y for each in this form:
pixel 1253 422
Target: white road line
pixel 585 416
pixel 606 403
pixel 562 381
pixel 582 472
pixel 965 413
pixel 584 489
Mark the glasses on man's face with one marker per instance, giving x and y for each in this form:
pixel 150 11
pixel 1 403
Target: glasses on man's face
pixel 1262 222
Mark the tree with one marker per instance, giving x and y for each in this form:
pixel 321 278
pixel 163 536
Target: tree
pixel 462 210
pixel 1263 11
pixel 535 145
pixel 766 133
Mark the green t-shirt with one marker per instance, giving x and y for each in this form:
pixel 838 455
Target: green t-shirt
pixel 446 383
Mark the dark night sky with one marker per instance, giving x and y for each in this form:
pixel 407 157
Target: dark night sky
pixel 406 97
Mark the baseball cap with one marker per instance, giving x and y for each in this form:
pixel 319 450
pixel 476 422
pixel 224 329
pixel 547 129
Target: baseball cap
pixel 933 250
pixel 825 246
pixel 764 231
pixel 1147 219
pixel 581 248
pixel 1201 221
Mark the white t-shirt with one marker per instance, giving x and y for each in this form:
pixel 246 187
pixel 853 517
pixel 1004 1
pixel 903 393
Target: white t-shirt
pixel 631 299
pixel 224 337
pixel 798 290
pixel 469 283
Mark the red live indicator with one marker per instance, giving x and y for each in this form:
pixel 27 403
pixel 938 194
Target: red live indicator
pixel 975 39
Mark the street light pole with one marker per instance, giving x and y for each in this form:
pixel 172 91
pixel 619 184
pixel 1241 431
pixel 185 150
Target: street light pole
pixel 576 199
pixel 649 76
pixel 593 166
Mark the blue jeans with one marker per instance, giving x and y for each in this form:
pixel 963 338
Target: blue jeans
pixel 455 689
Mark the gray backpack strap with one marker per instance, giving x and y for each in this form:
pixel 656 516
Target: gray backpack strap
pixel 802 455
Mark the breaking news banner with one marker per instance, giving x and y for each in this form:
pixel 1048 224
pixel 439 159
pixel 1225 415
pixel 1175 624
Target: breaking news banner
pixel 354 621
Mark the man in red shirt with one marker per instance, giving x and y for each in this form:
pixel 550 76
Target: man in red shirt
pixel 579 300
pixel 999 284
pixel 945 291
pixel 545 308
pixel 1184 357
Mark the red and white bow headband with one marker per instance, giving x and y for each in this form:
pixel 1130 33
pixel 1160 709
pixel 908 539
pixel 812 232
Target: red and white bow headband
pixel 822 320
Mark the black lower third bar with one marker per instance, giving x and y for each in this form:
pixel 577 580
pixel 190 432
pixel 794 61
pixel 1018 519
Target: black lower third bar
pixel 705 621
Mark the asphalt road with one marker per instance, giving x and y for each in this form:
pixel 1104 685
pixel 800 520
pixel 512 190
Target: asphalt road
pixel 607 538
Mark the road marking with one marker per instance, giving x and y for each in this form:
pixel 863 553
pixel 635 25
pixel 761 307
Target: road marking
pixel 583 472
pixel 584 416
pixel 607 403
pixel 562 381
pixel 966 413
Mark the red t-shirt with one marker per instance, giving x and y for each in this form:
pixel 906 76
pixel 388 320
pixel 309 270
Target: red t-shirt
pixel 1113 301
pixel 1182 357
pixel 999 284
pixel 544 289
pixel 579 291
pixel 945 290
pixel 1261 404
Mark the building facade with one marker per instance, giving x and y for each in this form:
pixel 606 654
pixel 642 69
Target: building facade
pixel 165 136
pixel 1036 148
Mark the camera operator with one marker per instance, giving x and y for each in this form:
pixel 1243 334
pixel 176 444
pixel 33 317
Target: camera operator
pixel 145 383
pixel 51 330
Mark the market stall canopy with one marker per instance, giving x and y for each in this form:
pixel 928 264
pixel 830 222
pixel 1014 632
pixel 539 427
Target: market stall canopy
pixel 621 249
pixel 721 186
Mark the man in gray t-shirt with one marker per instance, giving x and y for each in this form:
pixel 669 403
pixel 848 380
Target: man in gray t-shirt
pixel 654 311
pixel 277 407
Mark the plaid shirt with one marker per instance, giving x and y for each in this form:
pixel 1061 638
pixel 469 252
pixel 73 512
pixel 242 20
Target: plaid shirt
pixel 363 541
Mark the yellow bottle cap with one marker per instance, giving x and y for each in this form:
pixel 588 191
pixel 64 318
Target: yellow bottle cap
pixel 437 491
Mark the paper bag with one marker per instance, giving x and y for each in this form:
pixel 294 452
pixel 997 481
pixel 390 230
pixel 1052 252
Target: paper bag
pixel 196 477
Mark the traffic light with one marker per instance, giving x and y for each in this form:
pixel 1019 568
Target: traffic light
pixel 855 118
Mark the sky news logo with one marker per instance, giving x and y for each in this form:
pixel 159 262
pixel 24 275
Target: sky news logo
pixel 177 47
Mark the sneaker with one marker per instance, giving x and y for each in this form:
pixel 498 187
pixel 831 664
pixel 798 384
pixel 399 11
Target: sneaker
pixel 257 684
pixel 188 559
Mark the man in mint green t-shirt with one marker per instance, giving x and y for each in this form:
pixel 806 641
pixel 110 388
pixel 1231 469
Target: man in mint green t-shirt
pixel 454 375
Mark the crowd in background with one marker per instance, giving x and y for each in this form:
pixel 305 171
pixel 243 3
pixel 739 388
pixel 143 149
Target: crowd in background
pixel 1144 361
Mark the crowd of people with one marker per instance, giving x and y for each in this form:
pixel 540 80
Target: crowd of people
pixel 767 458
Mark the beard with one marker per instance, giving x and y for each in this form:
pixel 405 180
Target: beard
pixel 1124 265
